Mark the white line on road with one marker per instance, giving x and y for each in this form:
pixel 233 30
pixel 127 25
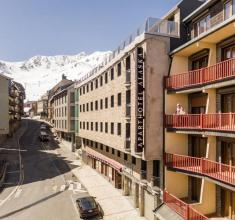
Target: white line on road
pixel 18 192
pixel 15 171
pixel 62 188
pixel 74 205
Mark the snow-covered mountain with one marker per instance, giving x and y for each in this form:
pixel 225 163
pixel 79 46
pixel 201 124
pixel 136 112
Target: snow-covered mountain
pixel 40 73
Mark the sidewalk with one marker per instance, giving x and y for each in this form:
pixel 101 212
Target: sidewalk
pixel 114 205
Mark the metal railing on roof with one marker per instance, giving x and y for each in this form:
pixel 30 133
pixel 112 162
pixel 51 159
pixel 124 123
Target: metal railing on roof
pixel 153 26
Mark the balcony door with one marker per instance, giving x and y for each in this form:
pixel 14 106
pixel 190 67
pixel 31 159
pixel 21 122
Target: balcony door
pixel 228 153
pixel 228 103
pixel 228 203
pixel 198 146
pixel 228 52
pixel 200 62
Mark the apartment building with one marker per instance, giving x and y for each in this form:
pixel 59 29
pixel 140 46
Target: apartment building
pixel 200 118
pixel 120 108
pixel 64 115
pixel 42 106
pixel 16 105
pixel 63 83
pixel 4 112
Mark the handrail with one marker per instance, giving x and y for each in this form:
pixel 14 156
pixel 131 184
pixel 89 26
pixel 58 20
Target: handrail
pixel 182 208
pixel 211 121
pixel 203 166
pixel 216 72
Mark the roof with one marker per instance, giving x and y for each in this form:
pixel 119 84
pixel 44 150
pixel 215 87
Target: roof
pixel 200 9
pixel 59 86
pixel 2 74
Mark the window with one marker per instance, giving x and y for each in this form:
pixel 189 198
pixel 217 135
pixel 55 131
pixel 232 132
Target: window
pixel 119 99
pixel 112 101
pixel 119 129
pixel 119 69
pixel 87 88
pixel 228 11
pixel 128 63
pixel 96 126
pixel 106 102
pixel 101 126
pixel 84 90
pixel 106 127
pixel 107 149
pixel 133 160
pixel 202 25
pixel 91 106
pixel 112 128
pixel 96 83
pixel 101 104
pixel 106 77
pixel 119 153
pixel 80 92
pixel 87 125
pixel 84 125
pixel 92 86
pixel 91 126
pixel 96 145
pixel 101 81
pixel 113 151
pixel 112 74
pixel 96 105
pixel 125 156
pixel 101 146
pixel 87 107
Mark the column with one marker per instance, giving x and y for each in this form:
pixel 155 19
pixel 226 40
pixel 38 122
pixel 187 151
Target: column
pixel 135 187
pixel 141 200
pixel 126 190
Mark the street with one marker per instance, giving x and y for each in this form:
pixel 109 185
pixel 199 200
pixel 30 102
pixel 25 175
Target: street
pixel 44 188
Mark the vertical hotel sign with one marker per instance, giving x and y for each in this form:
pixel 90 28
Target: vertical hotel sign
pixel 140 99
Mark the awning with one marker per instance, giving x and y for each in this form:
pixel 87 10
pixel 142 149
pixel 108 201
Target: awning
pixel 98 156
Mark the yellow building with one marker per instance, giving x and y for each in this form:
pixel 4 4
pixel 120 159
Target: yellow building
pixel 200 117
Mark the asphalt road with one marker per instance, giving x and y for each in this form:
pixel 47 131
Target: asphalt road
pixel 47 189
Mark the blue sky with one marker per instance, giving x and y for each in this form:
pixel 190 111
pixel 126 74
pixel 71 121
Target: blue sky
pixel 53 27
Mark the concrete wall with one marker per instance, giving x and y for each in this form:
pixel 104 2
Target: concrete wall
pixel 4 107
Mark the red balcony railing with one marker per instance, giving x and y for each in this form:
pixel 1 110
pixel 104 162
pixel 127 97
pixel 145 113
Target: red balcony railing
pixel 182 208
pixel 216 121
pixel 202 166
pixel 217 72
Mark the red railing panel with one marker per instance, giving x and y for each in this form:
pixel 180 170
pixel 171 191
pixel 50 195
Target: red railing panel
pixel 203 166
pixel 182 208
pixel 216 121
pixel 209 74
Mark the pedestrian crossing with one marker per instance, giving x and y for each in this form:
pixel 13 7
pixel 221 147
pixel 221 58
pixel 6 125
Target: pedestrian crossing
pixel 75 187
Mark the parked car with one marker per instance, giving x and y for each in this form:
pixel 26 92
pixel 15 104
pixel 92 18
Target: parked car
pixel 43 136
pixel 88 207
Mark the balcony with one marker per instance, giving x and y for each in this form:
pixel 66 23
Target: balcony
pixel 202 166
pixel 182 208
pixel 222 71
pixel 223 122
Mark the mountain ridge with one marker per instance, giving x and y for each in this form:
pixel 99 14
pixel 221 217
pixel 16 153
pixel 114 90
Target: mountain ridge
pixel 40 73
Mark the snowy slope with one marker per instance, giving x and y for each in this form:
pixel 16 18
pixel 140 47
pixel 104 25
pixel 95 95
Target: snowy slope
pixel 40 73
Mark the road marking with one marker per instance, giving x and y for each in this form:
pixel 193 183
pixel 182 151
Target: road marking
pixel 54 188
pixel 62 188
pixel 70 186
pixel 18 192
pixel 74 205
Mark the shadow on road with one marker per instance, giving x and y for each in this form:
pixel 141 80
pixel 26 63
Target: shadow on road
pixel 30 205
pixel 38 162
